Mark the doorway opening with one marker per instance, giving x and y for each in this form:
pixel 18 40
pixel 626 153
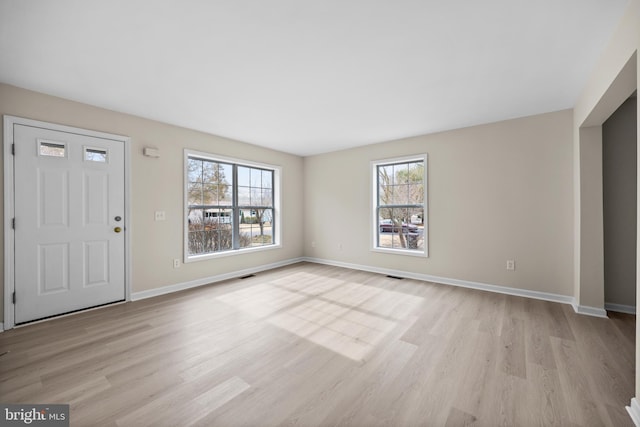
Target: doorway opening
pixel 619 184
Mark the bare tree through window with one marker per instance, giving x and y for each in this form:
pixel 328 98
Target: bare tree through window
pixel 229 206
pixel 400 204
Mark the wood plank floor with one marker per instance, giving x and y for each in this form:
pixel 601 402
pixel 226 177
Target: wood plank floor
pixel 312 345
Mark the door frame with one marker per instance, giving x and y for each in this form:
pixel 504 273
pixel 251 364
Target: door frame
pixel 9 205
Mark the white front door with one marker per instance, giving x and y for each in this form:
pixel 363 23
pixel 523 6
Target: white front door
pixel 69 193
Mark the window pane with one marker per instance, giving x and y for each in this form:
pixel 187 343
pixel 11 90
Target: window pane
pixel 244 198
pixel 401 174
pixel 222 238
pixel 226 196
pixel 267 197
pixel 256 197
pixel 267 217
pixel 213 193
pixel 385 194
pixel 195 218
pixel 385 175
pixel 194 173
pixel 248 221
pixel 209 239
pixel 416 172
pixel 403 230
pixel 415 194
pixel 400 196
pixel 416 217
pixel 226 174
pixel 256 227
pixel 267 179
pixel 95 155
pixel 215 180
pixel 196 243
pixel 52 149
pixel 256 177
pixel 243 176
pixel 209 171
pixel 194 193
pixel 209 195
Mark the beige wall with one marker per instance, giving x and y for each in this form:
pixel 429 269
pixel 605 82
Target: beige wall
pixel 495 192
pixel 157 184
pixel 614 78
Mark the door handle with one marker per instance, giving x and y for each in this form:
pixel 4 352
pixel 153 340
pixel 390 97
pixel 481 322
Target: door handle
pixel 117 229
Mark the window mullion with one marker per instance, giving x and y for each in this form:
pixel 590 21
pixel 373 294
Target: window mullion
pixel 273 208
pixel 234 207
pixel 377 234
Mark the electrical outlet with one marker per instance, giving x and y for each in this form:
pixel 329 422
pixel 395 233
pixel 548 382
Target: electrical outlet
pixel 313 244
pixel 511 265
pixel 176 263
pixel 160 216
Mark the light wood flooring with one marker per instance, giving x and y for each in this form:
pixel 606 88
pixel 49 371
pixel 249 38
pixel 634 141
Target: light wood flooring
pixel 313 345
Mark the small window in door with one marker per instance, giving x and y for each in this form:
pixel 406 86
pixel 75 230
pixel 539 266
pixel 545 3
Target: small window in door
pixel 52 148
pixel 95 154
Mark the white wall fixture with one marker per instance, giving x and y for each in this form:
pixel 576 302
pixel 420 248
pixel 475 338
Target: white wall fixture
pixel 151 152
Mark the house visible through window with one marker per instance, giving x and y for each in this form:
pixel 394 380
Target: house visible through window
pixel 230 206
pixel 399 205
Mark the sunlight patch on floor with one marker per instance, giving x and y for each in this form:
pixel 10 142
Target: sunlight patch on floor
pixel 346 317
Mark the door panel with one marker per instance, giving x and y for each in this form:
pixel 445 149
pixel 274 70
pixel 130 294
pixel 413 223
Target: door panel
pixel 96 198
pixel 53 192
pixel 69 189
pixel 53 265
pixel 96 262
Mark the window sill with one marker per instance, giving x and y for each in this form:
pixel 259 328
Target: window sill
pixel 421 254
pixel 205 257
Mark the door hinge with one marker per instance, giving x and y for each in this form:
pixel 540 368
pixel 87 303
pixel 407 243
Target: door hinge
pixel 13 297
pixel 13 149
pixel 13 223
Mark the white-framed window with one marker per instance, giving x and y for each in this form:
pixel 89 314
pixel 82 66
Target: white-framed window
pixel 231 206
pixel 399 205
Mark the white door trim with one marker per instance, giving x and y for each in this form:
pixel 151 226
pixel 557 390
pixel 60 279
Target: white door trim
pixel 9 204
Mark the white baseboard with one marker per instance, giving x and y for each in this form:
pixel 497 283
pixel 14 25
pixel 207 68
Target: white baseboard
pixel 590 311
pixel 545 296
pixel 135 296
pixel 634 411
pixel 564 299
pixel 620 308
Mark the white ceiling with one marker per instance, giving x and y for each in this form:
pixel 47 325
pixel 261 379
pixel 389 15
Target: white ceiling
pixel 304 76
